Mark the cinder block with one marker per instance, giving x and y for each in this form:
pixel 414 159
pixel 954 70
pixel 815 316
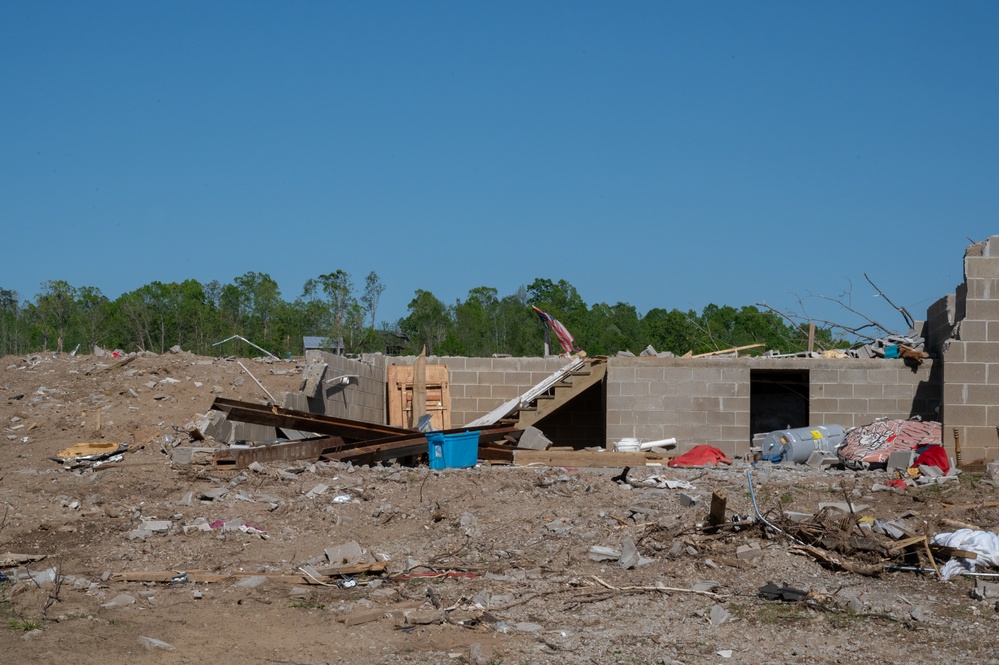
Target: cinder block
pixel 954 352
pixel 649 374
pixel 833 390
pixel 982 310
pixel 974 331
pixel 723 389
pixel 890 408
pixel 852 376
pixel 900 459
pixel 982 394
pixel 981 268
pixel 492 378
pixel 963 415
pixel 872 390
pixel 679 376
pixel 648 403
pixel 618 374
pixel 710 404
pixel 464 377
pixel 706 375
pixel 635 389
pixel 692 418
pixel 853 406
pixel 507 392
pixel 678 403
pixel 721 418
pixel 479 390
pixel 981 352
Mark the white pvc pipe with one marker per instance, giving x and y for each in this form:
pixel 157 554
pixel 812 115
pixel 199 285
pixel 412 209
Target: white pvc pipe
pixel 661 443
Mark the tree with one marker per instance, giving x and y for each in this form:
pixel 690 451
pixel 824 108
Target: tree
pixel 338 289
pixel 428 321
pixel 10 318
pixel 258 297
pixel 671 331
pixel 373 289
pixel 94 311
pixel 56 305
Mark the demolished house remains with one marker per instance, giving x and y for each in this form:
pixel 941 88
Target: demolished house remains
pixel 939 371
pixel 559 509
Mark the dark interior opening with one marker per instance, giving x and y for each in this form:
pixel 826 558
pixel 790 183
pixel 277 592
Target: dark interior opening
pixel 778 399
pixel 580 423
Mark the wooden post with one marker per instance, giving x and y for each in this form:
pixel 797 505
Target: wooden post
pixel 811 337
pixel 419 388
pixel 718 501
pixel 957 448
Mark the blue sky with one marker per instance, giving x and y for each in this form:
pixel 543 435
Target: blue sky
pixel 657 153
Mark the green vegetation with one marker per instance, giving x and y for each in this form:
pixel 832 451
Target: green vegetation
pixel 25 625
pixel 10 615
pixel 195 316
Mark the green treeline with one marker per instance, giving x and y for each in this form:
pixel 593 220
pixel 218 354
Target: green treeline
pixel 195 316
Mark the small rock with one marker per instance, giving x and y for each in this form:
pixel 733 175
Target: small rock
pixel 252 582
pixel 121 600
pixel 718 615
pixel 528 627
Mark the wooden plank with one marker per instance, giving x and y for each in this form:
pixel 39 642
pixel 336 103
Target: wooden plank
pixel 259 414
pixel 419 390
pixel 906 542
pixel 401 379
pixel 206 576
pixel 194 576
pixel 353 569
pixel 578 458
pixel 734 349
pixel 240 458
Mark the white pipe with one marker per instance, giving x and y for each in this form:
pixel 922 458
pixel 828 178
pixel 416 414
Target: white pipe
pixel 661 443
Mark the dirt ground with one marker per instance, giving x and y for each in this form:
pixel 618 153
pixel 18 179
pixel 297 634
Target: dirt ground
pixel 484 565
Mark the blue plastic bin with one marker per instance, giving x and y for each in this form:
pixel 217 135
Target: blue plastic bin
pixel 453 451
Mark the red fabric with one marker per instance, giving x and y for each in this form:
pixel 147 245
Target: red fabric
pixel 702 455
pixel 934 456
pixel 898 482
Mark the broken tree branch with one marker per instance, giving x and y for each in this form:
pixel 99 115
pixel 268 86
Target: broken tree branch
pixel 658 587
pixel 900 310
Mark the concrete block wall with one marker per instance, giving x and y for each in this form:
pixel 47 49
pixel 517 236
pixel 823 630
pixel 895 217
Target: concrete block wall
pixel 696 401
pixel 971 357
pixel 364 398
pixel 479 385
pixel 852 393
pixel 708 400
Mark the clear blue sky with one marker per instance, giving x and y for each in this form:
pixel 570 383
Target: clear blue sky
pixel 664 154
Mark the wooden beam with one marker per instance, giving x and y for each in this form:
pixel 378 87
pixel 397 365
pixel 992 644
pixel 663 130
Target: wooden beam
pixel 259 414
pixel 718 502
pixel 734 349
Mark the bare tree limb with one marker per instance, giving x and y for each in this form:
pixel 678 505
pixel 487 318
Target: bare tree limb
pixel 901 310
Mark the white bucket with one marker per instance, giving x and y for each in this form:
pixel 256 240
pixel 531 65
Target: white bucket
pixel 627 445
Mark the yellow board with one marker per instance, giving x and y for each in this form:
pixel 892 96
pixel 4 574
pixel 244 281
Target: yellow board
pixel 87 449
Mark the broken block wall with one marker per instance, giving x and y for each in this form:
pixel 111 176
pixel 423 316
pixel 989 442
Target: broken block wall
pixel 708 400
pixel 362 399
pixel 970 355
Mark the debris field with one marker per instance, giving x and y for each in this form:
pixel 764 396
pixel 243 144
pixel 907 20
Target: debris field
pixel 136 558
